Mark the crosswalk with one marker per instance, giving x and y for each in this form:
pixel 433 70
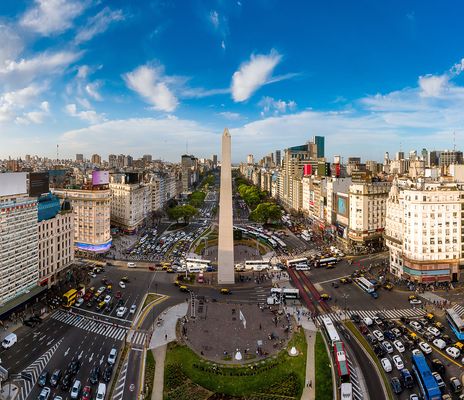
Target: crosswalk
pixel 459 309
pixel 88 324
pixel 119 387
pixel 33 371
pixel 357 393
pixel 391 314
pixel 136 337
pixel 261 295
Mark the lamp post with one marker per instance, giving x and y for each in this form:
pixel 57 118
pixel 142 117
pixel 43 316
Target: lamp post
pixel 345 297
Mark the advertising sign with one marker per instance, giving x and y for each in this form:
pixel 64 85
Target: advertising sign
pixel 100 178
pixel 13 183
pixel 38 183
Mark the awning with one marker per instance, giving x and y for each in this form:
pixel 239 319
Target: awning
pixel 12 305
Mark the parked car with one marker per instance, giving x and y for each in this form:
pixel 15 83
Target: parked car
pixel 453 352
pixel 441 344
pixel 425 347
pixel 55 378
pixel 378 335
pixel 44 393
pixel 399 346
pixel 76 389
pixel 86 393
pixel 107 373
pixel 455 384
pixel 386 364
pixel 398 361
pixel 43 378
pixel 387 346
pixel 406 377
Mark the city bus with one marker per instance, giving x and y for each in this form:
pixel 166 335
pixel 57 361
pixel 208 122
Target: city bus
pixel 329 328
pixel 456 323
pixel 365 284
pixel 256 265
pixel 346 391
pixel 341 362
pixel 286 293
pixel 196 264
pixel 326 262
pixel 426 381
pixel 279 241
pixel 69 298
pixel 296 261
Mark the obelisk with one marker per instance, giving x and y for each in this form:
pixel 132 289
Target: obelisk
pixel 226 227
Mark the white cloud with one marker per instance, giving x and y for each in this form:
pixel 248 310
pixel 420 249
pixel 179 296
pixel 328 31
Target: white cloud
pixel 253 74
pixel 83 71
pixel 270 105
pixel 98 24
pixel 223 45
pixel 151 83
pixel 90 116
pixel 13 104
pixel 49 17
pixel 35 117
pixel 214 18
pixel 27 70
pixel 92 90
pixel 432 85
pixel 231 116
pixel 11 44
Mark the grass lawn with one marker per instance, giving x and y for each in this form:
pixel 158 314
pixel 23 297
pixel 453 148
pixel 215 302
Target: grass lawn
pixel 150 297
pixel 282 375
pixel 149 373
pixel 323 373
pixel 368 348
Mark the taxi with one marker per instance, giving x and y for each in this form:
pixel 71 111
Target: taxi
pixel 325 296
pixel 225 291
pixel 183 288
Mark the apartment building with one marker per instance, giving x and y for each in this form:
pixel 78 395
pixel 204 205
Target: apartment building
pixel 424 230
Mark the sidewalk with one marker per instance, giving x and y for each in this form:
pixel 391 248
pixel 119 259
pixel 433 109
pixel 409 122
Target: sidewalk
pixel 158 381
pixel 309 392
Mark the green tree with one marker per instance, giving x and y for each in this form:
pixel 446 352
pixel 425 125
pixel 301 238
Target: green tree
pixel 197 198
pixel 266 212
pixel 188 212
pixel 175 213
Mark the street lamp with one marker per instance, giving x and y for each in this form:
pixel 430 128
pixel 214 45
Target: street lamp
pixel 345 297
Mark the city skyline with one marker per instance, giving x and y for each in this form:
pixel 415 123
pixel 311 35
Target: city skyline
pixel 59 84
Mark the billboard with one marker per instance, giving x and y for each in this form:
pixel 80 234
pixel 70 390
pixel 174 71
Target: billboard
pixel 38 183
pixel 132 177
pixel 12 183
pixel 95 248
pixel 308 169
pixel 100 178
pixel 342 206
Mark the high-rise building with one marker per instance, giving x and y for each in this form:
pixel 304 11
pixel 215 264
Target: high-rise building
pixel 95 159
pixel 448 157
pixel 399 155
pixel 128 160
pixel 190 173
pixel 215 160
pixel 250 159
pixel 113 160
pixel 19 272
pixel 319 141
pixel 79 158
pixel 147 158
pixel 278 159
pixel 91 217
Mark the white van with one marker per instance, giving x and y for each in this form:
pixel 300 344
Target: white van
pixel 131 265
pixel 9 340
pixel 101 392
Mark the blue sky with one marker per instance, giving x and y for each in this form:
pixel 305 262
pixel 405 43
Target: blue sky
pixel 139 77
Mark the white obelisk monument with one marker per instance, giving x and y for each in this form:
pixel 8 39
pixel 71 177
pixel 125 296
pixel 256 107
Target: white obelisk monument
pixel 226 227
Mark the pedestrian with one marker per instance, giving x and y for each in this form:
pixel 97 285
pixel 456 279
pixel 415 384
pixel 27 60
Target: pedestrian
pixel 166 337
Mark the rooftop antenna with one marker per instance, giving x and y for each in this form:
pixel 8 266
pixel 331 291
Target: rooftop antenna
pixel 57 152
pixel 454 140
pixel 186 146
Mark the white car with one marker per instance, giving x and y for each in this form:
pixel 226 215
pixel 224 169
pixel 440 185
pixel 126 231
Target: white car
pixel 122 285
pixel 415 302
pixel 79 302
pixel 107 299
pixel 453 352
pixel 76 389
pixel 44 393
pixel 399 346
pixel 121 311
pixel 133 308
pixel 112 356
pixel 386 364
pixel 416 352
pixel 387 346
pixel 378 335
pixel 368 321
pixel 415 325
pixel 92 274
pixel 425 347
pixel 434 331
pixel 440 343
pixel 399 364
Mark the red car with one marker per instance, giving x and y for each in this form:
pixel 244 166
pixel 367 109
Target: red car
pixel 151 267
pixel 86 393
pixel 118 295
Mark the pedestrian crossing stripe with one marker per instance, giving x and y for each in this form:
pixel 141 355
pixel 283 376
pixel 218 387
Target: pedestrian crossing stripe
pixel 391 314
pixel 88 324
pixel 119 389
pixel 357 393
pixel 136 337
pixel 459 309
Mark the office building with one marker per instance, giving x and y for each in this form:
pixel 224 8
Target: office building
pixel 278 159
pixel 79 158
pixel 95 159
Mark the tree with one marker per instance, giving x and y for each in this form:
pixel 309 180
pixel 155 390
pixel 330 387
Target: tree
pixel 197 198
pixel 156 216
pixel 266 212
pixel 188 212
pixel 175 213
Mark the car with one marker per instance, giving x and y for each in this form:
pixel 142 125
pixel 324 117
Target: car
pixel 396 385
pixel 415 325
pixel 399 346
pixel 378 350
pixel 363 329
pixel 389 335
pixel 107 299
pixel 120 303
pixel 371 338
pixel 406 377
pixel 440 382
pixel 66 382
pixel 55 378
pixel 453 352
pixel 441 344
pixel 43 378
pixel 122 285
pixel 94 375
pixel 456 386
pixel 74 366
pixel 121 311
pixel 415 302
pixel 434 331
pixel 387 346
pixel 375 295
pixel 57 398
pixel 438 366
pixel 107 373
pixel 368 321
pixel 355 318
pixel 386 364
pixel 414 396
pixel 125 279
pixel 44 393
pixel 133 309
pixel 396 332
pixel 378 335
pixel 398 361
pixel 76 389
pixel 425 348
pixel 377 320
pixel 92 274
pixel 79 302
pixel 447 339
pixel 86 393
pixel 428 336
pixel 112 356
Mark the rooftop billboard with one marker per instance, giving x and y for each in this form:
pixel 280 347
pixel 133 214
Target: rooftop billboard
pixel 100 178
pixel 12 183
pixel 38 183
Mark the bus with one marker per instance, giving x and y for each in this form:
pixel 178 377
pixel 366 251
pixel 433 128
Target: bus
pixel 365 285
pixel 456 323
pixel 427 383
pixel 346 391
pixel 256 265
pixel 279 241
pixel 330 329
pixel 69 298
pixel 196 264
pixel 285 293
pixel 341 362
pixel 326 262
pixel 296 261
